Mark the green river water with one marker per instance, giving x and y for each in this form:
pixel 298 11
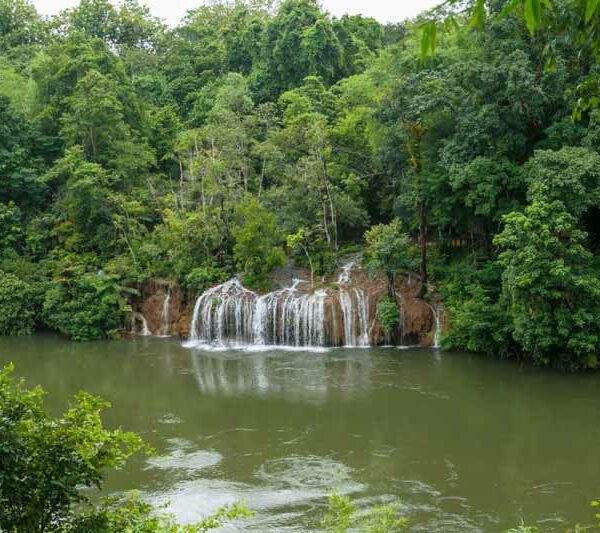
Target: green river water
pixel 465 443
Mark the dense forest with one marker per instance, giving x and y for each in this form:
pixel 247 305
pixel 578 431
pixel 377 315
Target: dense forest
pixel 255 134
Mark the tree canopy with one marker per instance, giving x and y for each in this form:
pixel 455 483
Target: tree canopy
pixel 252 135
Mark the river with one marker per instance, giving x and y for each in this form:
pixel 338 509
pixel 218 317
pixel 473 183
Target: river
pixel 464 442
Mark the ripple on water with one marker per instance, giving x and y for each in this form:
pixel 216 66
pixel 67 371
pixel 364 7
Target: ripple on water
pixel 286 489
pixel 180 458
pixel 310 471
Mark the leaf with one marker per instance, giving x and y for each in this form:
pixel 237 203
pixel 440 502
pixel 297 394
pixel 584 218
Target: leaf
pixel 590 8
pixel 533 15
pixel 433 38
pixel 424 42
pixel 478 14
pixel 428 39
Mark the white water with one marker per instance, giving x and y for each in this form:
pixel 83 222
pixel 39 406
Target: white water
pixel 165 316
pixel 354 306
pixel 232 316
pixel 145 329
pixel 437 332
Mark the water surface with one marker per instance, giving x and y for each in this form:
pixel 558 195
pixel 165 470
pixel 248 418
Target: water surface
pixel 465 443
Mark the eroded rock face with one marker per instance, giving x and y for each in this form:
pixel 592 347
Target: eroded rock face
pixel 338 311
pixel 161 304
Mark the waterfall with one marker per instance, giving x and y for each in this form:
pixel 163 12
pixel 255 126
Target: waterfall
pixel 145 329
pixel 165 315
pixel 344 277
pixel 230 315
pixel 437 332
pixel 363 317
pixel 355 311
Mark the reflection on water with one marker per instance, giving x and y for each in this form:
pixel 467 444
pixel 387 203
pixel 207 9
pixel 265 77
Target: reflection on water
pixel 464 443
pixel 298 376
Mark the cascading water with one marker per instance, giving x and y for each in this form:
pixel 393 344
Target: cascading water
pixel 437 332
pixel 165 315
pixel 232 315
pixel 355 310
pixel 145 332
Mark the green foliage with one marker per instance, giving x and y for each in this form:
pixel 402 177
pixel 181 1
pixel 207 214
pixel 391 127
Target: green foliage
pixel 389 314
pixel 45 460
pixel 387 250
pixel 478 323
pixel 570 175
pixel 551 285
pixel 130 513
pixel 17 309
pixel 342 515
pixel 203 277
pixel 86 306
pixel 191 153
pixel 185 241
pixel 256 249
pixel 10 227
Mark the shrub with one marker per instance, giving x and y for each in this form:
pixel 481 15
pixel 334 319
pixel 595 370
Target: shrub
pixel 342 515
pixel 88 307
pixel 388 313
pixel 46 460
pixel 202 277
pixel 17 313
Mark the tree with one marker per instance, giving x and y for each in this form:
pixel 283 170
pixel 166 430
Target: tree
pixel 20 24
pixel 299 42
pixel 570 175
pixel 256 246
pixel 551 285
pixel 45 461
pixel 19 181
pixel 94 118
pixel 87 306
pixel 84 209
pixel 417 104
pixel 17 312
pixel 387 251
pixel 300 241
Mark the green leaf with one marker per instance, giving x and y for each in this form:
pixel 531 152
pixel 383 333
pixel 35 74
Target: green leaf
pixel 424 42
pixel 590 8
pixel 478 14
pixel 433 38
pixel 428 39
pixel 533 15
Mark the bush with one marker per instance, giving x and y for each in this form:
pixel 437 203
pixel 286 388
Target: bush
pixel 17 306
pixel 46 461
pixel 203 277
pixel 87 307
pixel 389 314
pixel 478 324
pixel 129 513
pixel 342 515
